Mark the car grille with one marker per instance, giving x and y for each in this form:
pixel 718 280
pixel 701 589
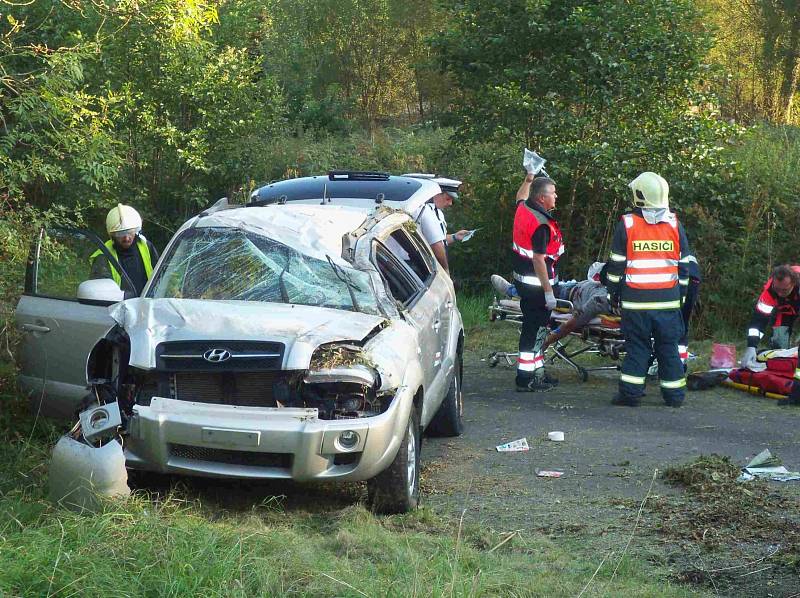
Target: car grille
pixel 251 389
pixel 228 457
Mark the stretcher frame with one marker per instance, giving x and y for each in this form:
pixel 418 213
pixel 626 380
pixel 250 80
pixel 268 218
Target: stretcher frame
pixel 595 339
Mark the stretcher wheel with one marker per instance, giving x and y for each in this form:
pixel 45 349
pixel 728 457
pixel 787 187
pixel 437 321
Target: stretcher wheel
pixel 493 360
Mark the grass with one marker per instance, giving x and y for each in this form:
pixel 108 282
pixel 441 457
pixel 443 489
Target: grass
pixel 196 537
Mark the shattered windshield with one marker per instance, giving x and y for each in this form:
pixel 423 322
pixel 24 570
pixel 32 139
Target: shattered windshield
pixel 231 264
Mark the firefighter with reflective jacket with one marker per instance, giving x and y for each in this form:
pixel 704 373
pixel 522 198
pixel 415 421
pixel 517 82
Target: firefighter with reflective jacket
pixel 135 254
pixel 778 304
pixel 537 246
pixel 648 274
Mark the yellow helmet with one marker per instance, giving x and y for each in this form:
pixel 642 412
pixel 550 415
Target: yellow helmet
pixel 650 191
pixel 123 218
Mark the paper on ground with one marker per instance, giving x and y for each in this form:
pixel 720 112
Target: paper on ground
pixel 544 473
pixel 766 465
pixel 514 446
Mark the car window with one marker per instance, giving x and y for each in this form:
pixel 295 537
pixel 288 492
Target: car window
pixel 407 251
pixel 63 262
pixel 231 264
pixel 403 284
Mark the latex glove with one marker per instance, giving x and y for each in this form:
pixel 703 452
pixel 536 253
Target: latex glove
pixel 749 357
pixel 550 300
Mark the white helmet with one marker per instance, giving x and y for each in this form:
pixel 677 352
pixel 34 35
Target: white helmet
pixel 123 218
pixel 650 191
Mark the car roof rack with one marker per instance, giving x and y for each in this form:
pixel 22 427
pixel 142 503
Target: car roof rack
pixel 357 175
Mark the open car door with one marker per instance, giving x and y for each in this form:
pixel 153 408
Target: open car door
pixel 58 329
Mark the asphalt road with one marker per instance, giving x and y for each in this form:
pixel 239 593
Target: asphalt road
pixel 609 455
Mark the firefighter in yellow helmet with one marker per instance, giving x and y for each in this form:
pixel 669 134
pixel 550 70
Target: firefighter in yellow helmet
pixel 648 274
pixel 133 251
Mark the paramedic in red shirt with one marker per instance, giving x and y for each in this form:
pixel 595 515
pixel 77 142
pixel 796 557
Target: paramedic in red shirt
pixel 537 246
pixel 778 304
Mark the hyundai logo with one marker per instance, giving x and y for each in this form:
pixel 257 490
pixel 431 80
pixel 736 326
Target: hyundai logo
pixel 217 355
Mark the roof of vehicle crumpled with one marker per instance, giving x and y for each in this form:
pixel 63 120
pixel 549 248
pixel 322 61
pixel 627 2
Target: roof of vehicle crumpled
pixel 314 230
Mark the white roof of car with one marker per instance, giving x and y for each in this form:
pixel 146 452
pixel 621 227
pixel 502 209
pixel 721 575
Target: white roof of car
pixel 314 230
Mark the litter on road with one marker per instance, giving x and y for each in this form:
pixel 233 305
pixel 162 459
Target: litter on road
pixel 546 473
pixel 767 466
pixel 556 436
pixel 514 446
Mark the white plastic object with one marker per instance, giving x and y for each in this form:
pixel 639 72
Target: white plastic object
pixel 532 162
pixel 80 474
pixel 100 420
pixel 100 289
pixel 556 436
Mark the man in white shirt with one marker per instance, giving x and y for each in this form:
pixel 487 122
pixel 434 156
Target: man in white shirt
pixel 432 223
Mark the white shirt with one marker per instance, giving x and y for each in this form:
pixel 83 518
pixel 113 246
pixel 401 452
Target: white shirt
pixel 432 224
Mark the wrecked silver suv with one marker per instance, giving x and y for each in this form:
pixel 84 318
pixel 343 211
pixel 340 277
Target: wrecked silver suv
pixel 305 342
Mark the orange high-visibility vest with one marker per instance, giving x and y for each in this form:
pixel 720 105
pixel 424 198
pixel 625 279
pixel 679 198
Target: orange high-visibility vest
pixel 526 221
pixel 653 253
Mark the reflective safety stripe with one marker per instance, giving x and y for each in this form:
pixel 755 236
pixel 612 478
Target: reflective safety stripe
pixel 673 383
pixel 613 277
pixel 632 379
pixel 797 374
pixel 616 257
pixel 531 280
pixel 652 305
pixel 628 219
pixel 689 259
pixel 645 278
pixel 764 308
pixel 522 251
pixel 651 263
pixel 755 332
pixel 684 281
pixel 529 362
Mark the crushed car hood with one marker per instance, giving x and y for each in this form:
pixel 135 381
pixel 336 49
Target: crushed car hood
pixel 301 328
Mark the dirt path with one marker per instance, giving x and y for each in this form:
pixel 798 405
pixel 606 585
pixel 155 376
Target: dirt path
pixel 608 459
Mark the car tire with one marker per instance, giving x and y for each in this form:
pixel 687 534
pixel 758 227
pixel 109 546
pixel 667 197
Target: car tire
pixel 449 419
pixel 396 489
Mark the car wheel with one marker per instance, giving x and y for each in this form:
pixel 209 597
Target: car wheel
pixel 396 489
pixel 449 419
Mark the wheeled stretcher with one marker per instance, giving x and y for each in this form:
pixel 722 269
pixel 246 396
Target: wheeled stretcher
pixel 601 336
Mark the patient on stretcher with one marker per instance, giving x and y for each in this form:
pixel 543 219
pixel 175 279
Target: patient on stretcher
pixel 588 297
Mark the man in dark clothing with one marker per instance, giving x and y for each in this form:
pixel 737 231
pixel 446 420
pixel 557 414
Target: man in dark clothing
pixel 133 251
pixel 537 246
pixel 648 274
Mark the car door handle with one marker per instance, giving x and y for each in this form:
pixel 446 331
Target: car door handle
pixel 448 304
pixel 34 328
pixel 436 325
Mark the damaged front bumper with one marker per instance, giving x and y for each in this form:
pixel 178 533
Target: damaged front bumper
pixel 263 442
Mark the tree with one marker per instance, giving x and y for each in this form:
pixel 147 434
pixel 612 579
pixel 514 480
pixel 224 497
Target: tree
pixel 604 89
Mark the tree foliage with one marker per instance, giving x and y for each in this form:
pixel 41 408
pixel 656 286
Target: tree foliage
pixel 169 104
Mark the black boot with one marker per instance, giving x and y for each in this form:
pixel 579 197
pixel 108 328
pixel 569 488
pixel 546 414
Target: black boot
pixel 619 400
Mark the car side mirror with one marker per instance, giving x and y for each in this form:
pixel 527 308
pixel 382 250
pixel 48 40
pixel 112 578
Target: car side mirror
pixel 101 291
